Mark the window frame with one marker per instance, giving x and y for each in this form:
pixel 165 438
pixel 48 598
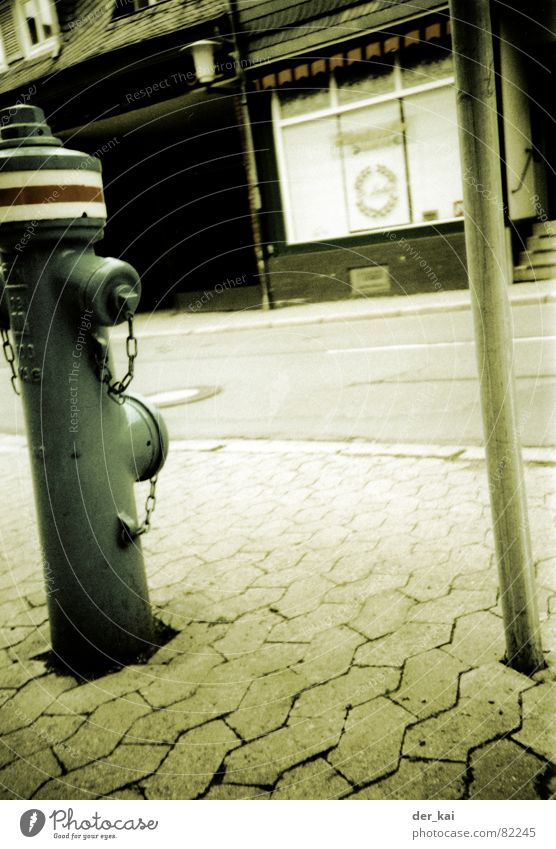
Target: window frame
pixel 121 11
pixel 45 45
pixel 3 58
pixel 399 93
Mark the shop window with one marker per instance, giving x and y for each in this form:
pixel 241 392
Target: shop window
pixel 377 149
pixel 38 26
pixel 365 80
pixel 425 63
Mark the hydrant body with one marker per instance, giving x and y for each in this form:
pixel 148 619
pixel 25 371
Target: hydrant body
pixel 83 439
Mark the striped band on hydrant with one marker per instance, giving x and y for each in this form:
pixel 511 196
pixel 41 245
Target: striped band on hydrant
pixel 51 194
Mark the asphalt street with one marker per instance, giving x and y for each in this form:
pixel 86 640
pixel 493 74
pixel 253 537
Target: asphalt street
pixel 401 379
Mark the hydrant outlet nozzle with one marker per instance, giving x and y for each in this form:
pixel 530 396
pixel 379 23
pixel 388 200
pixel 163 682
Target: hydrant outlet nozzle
pixel 109 288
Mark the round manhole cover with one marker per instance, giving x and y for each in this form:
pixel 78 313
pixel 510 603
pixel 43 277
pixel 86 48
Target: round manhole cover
pixel 175 397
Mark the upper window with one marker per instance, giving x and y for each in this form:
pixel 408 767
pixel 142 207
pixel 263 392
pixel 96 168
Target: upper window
pixel 38 26
pixel 128 7
pixel 3 63
pixel 372 146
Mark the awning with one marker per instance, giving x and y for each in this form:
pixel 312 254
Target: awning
pixel 279 30
pixel 369 48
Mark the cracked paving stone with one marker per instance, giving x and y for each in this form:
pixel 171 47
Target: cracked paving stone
pixel 32 700
pixel 304 628
pixel 37 642
pixel 313 780
pixel 27 616
pixel 478 638
pixel 266 704
pixel 329 654
pixel 24 776
pixel 126 765
pixel 371 742
pixel 504 770
pixel 247 601
pixel 191 765
pixel 100 733
pixel 485 579
pixel 85 698
pixel 46 731
pixel 270 657
pixel 6 695
pixel 180 678
pixel 359 685
pixel 211 700
pixel 353 567
pixel 429 683
pixel 381 614
pixel 538 731
pixel 263 760
pixel 546 574
pixel 356 592
pixel 246 634
pixel 456 603
pixel 303 596
pixel 236 792
pixel 411 639
pixel 419 779
pixel 488 707
pixel 12 636
pixel 232 577
pixel 192 640
pixel 129 794
pixel 19 673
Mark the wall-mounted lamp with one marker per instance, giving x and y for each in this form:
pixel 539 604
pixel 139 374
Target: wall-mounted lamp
pixel 203 59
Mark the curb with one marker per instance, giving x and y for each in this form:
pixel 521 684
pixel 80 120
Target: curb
pixel 461 453
pixel 393 311
pixel 470 454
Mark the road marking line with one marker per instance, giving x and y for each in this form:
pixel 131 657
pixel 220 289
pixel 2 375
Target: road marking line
pixel 418 345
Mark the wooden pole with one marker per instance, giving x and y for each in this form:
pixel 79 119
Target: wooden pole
pixel 488 281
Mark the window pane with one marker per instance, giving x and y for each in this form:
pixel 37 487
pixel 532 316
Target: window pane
pixel 33 32
pixel 295 102
pixel 371 141
pixel 425 63
pixel 314 181
pixel 46 13
pixel 433 154
pixel 364 80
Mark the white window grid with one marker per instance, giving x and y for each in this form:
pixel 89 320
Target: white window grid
pixel 398 92
pixel 44 13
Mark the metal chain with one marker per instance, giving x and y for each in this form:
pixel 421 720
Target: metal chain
pixel 9 354
pixel 116 388
pixel 150 505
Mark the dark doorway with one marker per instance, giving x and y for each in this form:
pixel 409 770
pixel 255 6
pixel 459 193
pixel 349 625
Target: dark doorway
pixel 177 199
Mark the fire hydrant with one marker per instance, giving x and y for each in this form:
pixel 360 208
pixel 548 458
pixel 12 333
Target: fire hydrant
pixel 89 438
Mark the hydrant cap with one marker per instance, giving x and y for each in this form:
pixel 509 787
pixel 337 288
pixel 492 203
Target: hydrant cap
pixel 42 181
pixel 24 126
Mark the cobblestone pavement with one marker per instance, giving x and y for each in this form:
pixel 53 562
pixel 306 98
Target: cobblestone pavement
pixel 339 636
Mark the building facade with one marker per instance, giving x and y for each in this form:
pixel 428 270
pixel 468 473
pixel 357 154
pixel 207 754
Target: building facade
pixel 115 81
pixel 355 112
pixel 319 160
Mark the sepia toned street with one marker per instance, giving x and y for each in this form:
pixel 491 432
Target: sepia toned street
pixel 277 421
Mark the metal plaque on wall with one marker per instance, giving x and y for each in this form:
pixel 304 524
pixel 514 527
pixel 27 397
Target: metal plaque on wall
pixel 370 280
